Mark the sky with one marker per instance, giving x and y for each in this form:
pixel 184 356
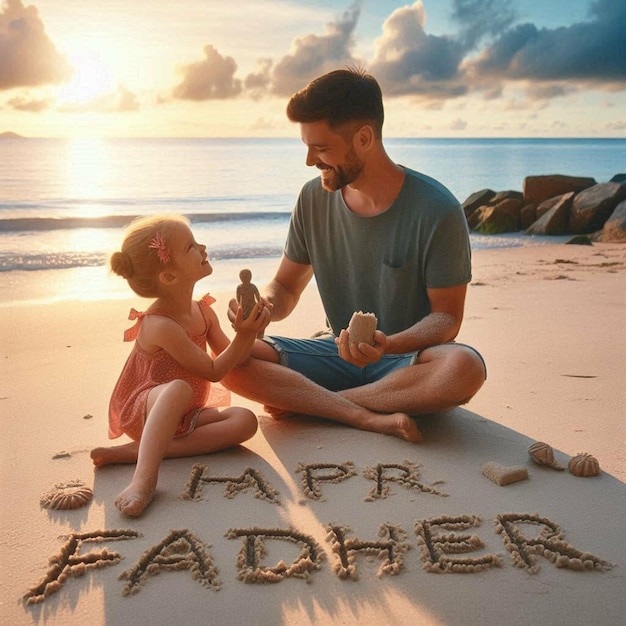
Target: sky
pixel 210 68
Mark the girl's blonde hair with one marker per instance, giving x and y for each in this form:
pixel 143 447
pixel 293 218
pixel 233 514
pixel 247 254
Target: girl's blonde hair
pixel 139 261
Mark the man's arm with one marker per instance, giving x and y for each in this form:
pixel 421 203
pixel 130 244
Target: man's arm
pixel 440 326
pixel 284 290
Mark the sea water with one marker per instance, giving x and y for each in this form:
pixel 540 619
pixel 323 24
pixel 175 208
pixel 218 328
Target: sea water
pixel 64 203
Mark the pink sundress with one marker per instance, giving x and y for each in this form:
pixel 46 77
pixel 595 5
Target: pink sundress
pixel 142 372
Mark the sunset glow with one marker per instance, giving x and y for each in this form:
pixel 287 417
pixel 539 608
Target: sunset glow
pixel 448 68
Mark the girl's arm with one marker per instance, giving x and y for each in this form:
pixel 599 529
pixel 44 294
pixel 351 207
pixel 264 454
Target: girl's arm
pixel 165 333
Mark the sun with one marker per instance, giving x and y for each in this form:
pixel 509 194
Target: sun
pixel 92 79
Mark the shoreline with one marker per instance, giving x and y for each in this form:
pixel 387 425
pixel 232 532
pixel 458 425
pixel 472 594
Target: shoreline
pixel 88 283
pixel 547 319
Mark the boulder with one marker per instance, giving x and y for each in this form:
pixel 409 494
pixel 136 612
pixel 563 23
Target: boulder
pixel 540 188
pixel 507 195
pixel 492 221
pixel 546 205
pixel 476 200
pixel 592 207
pixel 555 220
pixel 614 230
pixel 528 215
pixel 513 207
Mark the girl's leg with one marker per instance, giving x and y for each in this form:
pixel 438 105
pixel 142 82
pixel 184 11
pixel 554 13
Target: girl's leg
pixel 165 408
pixel 215 430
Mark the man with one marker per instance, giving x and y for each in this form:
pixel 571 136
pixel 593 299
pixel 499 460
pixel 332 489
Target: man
pixel 381 239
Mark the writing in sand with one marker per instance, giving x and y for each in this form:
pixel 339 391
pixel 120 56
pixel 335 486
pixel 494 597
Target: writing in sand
pixel 445 542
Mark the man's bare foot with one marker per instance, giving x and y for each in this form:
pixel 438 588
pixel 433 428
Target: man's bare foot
pixel 111 455
pixel 278 414
pixel 133 500
pixel 395 424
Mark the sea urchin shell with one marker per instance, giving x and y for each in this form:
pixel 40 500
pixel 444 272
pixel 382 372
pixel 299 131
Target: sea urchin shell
pixel 543 454
pixel 66 496
pixel 584 464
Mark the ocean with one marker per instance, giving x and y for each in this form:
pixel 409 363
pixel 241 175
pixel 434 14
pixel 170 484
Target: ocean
pixel 64 203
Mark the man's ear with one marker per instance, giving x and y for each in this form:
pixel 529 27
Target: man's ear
pixel 167 278
pixel 364 137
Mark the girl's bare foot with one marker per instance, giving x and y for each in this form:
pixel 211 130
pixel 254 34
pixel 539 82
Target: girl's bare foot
pixel 134 499
pixel 111 455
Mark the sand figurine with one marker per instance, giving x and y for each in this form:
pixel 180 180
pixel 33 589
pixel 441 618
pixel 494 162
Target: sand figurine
pixel 247 294
pixel 362 327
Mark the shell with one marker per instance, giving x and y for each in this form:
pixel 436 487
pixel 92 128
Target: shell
pixel 543 454
pixel 584 464
pixel 67 496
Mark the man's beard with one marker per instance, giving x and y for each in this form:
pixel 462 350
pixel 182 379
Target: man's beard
pixel 342 175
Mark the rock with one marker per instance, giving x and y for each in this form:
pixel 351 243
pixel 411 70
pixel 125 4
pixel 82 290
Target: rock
pixel 540 188
pixel 555 220
pixel 580 240
pixel 507 195
pixel 593 206
pixel 546 205
pixel 528 215
pixel 493 221
pixel 476 200
pixel 618 178
pixel 614 230
pixel 512 206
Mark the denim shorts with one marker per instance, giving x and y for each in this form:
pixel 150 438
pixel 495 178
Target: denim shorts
pixel 318 359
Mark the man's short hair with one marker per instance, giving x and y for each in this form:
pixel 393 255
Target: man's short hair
pixel 340 98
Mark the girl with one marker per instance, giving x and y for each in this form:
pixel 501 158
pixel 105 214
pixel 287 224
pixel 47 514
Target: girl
pixel 162 399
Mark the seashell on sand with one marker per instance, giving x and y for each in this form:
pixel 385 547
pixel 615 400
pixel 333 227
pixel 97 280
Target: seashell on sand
pixel 584 464
pixel 362 327
pixel 67 496
pixel 543 454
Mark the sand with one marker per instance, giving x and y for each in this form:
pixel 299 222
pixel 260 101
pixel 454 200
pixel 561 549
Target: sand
pixel 314 523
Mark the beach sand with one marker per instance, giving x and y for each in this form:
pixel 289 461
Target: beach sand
pixel 330 525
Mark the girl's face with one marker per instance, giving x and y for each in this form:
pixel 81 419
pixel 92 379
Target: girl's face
pixel 189 257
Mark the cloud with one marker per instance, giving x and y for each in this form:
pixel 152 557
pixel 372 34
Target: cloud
pixel 29 104
pixel 409 61
pixel 119 101
pixel 257 83
pixel 481 18
pixel 28 57
pixel 213 78
pixel 591 52
pixel 458 124
pixel 313 55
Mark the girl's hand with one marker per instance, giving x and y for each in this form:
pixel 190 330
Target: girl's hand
pixel 257 321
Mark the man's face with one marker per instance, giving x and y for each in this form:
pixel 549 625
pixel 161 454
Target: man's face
pixel 332 154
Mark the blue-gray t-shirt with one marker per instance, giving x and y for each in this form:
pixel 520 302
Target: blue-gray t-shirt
pixel 384 263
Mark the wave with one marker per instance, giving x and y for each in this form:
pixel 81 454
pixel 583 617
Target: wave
pixel 39 224
pixel 11 262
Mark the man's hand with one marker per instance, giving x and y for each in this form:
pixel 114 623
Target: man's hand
pixel 361 354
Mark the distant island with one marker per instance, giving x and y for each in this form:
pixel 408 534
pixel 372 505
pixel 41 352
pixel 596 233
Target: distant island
pixel 9 135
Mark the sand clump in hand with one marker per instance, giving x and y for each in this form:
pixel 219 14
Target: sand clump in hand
pixel 362 327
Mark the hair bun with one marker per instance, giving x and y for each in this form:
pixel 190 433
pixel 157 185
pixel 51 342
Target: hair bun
pixel 121 264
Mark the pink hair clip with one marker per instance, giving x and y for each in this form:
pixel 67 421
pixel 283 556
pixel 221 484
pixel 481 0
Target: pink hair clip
pixel 158 243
